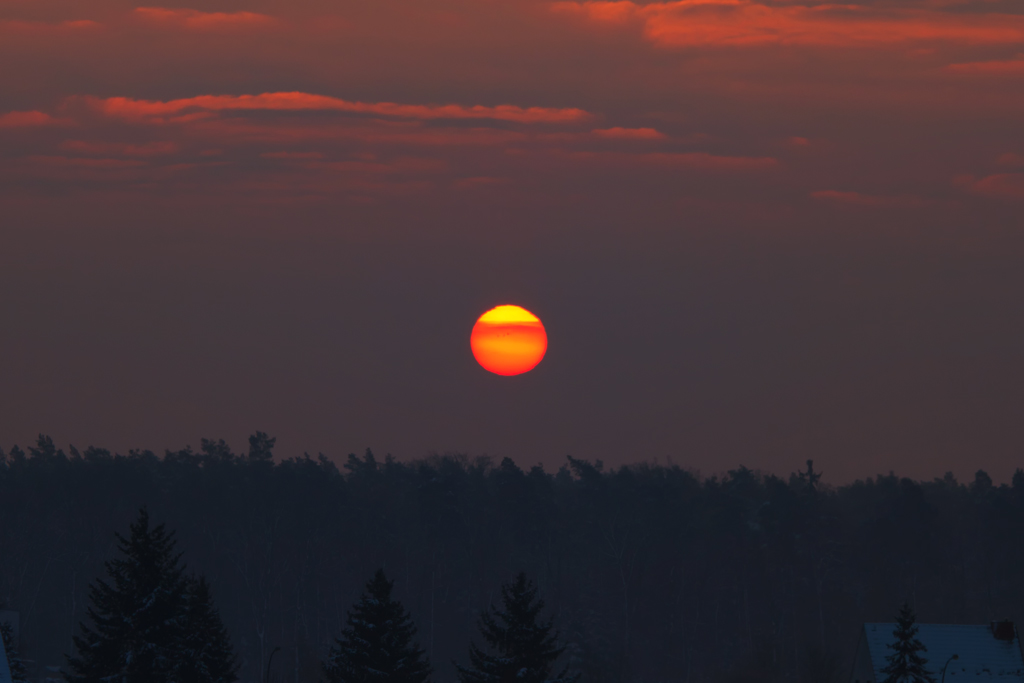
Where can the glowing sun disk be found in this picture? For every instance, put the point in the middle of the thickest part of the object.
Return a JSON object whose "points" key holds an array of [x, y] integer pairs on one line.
{"points": [[508, 340]]}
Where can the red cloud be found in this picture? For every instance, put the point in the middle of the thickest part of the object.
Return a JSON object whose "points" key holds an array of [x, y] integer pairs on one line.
{"points": [[629, 133], [692, 160], [79, 162], [744, 23], [1010, 159], [203, 21], [406, 165], [24, 119], [37, 27], [292, 156], [860, 199], [702, 160], [1004, 185], [143, 150], [365, 131], [995, 68], [480, 181], [298, 101]]}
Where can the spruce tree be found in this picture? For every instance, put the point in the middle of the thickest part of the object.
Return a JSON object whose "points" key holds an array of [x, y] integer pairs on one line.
{"points": [[905, 664], [14, 661], [136, 616], [522, 650], [377, 646], [203, 653]]}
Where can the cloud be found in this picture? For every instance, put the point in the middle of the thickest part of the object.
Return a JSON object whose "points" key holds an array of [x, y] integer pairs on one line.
{"points": [[129, 108], [361, 130], [861, 199], [41, 27], [1006, 67], [1011, 159], [476, 182], [628, 133], [292, 156], [79, 162], [27, 119], [104, 148], [711, 162], [203, 21], [745, 23], [404, 165], [1001, 185], [669, 160]]}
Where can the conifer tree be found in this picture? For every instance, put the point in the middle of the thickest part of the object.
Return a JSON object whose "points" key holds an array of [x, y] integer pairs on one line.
{"points": [[204, 653], [522, 650], [905, 664], [137, 616], [14, 661], [377, 645]]}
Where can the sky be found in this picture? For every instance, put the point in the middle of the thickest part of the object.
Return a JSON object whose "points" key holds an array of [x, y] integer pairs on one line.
{"points": [[757, 231]]}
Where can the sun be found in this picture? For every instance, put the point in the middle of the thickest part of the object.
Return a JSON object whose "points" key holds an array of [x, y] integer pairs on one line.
{"points": [[508, 340]]}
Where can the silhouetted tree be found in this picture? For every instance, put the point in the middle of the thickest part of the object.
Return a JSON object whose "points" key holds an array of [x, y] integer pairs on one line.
{"points": [[14, 661], [261, 447], [137, 617], [203, 653], [905, 664], [377, 646], [522, 650]]}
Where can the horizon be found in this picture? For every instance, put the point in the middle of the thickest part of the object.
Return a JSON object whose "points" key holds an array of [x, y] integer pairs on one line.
{"points": [[492, 461]]}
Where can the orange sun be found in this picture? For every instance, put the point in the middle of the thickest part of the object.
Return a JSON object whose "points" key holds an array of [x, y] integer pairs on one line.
{"points": [[508, 340]]}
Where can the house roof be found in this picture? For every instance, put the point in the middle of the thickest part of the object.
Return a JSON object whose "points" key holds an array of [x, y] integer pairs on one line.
{"points": [[983, 657]]}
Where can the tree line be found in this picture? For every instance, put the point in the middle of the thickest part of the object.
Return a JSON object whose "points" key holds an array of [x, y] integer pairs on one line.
{"points": [[651, 572]]}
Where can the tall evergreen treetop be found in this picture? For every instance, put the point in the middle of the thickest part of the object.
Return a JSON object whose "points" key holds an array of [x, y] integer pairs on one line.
{"points": [[377, 645], [14, 661], [136, 618], [522, 650], [905, 664], [204, 653]]}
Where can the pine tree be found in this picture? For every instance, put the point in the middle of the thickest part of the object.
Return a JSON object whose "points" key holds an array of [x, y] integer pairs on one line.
{"points": [[14, 661], [204, 653], [905, 664], [136, 617], [523, 650], [377, 646]]}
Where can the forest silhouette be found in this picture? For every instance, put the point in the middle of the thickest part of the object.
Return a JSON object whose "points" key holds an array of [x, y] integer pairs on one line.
{"points": [[649, 572]]}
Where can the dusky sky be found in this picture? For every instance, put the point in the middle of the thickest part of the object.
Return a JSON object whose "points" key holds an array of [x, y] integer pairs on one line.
{"points": [[756, 232]]}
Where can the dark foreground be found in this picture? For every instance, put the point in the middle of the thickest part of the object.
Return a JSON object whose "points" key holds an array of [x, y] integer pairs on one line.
{"points": [[650, 572]]}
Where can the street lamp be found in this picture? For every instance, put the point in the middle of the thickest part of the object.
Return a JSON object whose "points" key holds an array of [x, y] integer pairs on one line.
{"points": [[947, 664], [271, 659]]}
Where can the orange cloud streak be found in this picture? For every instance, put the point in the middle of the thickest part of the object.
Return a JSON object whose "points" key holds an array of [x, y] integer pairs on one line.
{"points": [[203, 21], [629, 133], [125, 107], [744, 23]]}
